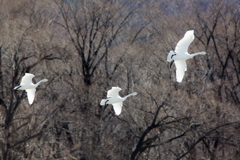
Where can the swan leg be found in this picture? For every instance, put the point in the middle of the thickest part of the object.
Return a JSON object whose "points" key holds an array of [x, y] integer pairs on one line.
{"points": [[105, 105], [173, 55], [171, 64], [106, 102]]}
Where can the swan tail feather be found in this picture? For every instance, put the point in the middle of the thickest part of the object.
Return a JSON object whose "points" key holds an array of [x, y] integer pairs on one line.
{"points": [[17, 87], [103, 102]]}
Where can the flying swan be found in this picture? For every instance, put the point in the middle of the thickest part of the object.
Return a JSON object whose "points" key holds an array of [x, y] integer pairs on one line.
{"points": [[114, 99], [180, 55], [26, 84]]}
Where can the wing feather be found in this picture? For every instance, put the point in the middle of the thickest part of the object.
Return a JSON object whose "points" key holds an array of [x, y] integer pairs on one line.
{"points": [[183, 44], [27, 78], [181, 67], [113, 92], [117, 107], [31, 95]]}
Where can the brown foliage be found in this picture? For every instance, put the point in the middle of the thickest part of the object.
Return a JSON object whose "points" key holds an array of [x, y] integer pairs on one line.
{"points": [[86, 47]]}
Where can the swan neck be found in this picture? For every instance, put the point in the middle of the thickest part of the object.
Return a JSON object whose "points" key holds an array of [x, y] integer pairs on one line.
{"points": [[38, 82], [198, 53], [127, 96]]}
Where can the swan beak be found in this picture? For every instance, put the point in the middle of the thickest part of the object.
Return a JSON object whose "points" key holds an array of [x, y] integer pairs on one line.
{"points": [[205, 53], [137, 94], [47, 80]]}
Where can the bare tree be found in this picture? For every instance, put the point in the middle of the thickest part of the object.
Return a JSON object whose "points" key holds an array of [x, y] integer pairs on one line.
{"points": [[19, 55], [94, 45], [219, 34], [92, 27]]}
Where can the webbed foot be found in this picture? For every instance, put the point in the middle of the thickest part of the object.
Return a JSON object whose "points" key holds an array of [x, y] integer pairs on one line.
{"points": [[171, 63]]}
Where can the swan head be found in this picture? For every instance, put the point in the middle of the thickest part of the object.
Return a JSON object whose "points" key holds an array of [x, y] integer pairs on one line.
{"points": [[169, 59], [45, 80], [134, 93]]}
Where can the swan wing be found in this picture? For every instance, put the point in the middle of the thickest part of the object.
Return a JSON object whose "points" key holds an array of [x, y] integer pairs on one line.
{"points": [[181, 67], [117, 107], [113, 92], [31, 95], [183, 44], [27, 79]]}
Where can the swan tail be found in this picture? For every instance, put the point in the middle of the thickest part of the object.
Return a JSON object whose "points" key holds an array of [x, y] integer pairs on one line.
{"points": [[17, 87], [103, 102]]}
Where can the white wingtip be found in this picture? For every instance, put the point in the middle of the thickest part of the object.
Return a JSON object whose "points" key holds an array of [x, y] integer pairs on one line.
{"points": [[30, 74], [191, 31], [117, 110], [179, 81], [117, 113], [30, 100], [117, 107], [31, 95]]}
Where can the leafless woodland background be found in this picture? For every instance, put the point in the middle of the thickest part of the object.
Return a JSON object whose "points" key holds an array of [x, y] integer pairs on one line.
{"points": [[85, 47]]}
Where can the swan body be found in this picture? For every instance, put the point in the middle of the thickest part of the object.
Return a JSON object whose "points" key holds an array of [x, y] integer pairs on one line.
{"points": [[26, 84], [180, 55], [114, 99]]}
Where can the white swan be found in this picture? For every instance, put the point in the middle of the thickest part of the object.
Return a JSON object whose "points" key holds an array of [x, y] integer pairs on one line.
{"points": [[26, 84], [114, 99], [181, 55]]}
